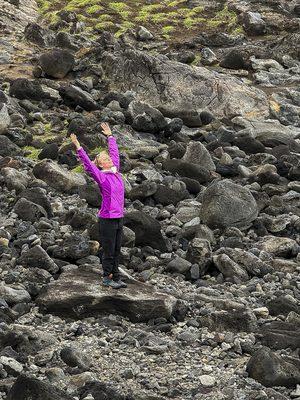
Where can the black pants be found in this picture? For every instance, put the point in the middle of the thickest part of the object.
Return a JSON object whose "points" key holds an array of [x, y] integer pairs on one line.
{"points": [[110, 240]]}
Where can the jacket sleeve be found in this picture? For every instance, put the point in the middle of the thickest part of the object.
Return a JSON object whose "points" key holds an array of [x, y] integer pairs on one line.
{"points": [[114, 151], [89, 166]]}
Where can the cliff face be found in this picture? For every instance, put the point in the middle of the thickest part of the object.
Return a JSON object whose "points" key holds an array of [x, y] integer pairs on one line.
{"points": [[203, 99]]}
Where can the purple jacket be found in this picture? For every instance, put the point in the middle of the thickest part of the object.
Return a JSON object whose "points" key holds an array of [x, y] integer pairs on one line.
{"points": [[110, 183]]}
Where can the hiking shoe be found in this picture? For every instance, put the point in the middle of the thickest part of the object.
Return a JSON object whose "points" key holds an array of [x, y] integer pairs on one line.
{"points": [[111, 283], [121, 283]]}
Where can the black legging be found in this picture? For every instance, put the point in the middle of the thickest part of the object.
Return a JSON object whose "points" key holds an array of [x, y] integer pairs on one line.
{"points": [[110, 240]]}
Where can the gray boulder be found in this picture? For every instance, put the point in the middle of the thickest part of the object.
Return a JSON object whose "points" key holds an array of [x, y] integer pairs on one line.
{"points": [[78, 294], [37, 257], [254, 24], [178, 89], [7, 147], [29, 211], [74, 96], [58, 177], [146, 118], [15, 179], [225, 203]]}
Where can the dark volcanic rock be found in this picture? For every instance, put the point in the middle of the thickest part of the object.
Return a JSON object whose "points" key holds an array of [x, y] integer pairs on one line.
{"points": [[38, 258], [147, 230], [74, 96], [23, 88], [165, 195], [271, 370], [27, 388], [282, 305], [188, 170], [29, 211], [79, 294], [57, 63]]}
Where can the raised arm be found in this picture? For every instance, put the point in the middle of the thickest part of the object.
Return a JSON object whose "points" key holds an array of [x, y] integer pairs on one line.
{"points": [[113, 149], [88, 165]]}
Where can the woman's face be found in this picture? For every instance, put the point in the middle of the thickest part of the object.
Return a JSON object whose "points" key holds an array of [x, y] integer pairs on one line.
{"points": [[103, 160]]}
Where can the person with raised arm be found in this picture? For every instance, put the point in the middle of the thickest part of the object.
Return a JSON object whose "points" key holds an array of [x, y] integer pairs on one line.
{"points": [[105, 171]]}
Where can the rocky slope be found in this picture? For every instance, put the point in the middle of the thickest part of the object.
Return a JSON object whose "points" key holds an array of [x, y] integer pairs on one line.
{"points": [[207, 116]]}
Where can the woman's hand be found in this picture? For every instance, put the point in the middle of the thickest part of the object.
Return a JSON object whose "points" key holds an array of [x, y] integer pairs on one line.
{"points": [[75, 141], [106, 129]]}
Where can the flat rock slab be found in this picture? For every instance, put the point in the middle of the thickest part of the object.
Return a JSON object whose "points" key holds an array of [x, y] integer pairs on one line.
{"points": [[80, 293]]}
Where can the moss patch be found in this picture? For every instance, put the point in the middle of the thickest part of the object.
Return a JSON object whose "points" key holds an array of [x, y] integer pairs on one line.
{"points": [[34, 153], [170, 19]]}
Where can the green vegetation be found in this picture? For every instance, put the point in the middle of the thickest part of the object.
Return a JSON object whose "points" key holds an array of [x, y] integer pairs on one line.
{"points": [[79, 168], [168, 18], [34, 153]]}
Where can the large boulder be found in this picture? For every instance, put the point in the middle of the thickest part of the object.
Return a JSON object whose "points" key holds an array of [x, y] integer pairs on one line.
{"points": [[58, 177], [225, 203], [28, 388], [7, 147], [29, 211], [74, 96], [15, 179], [57, 62], [4, 118], [38, 196], [233, 320], [147, 230], [78, 294], [178, 89], [23, 88], [37, 257], [270, 369]]}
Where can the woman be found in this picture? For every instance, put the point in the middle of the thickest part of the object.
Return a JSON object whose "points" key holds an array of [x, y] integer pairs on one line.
{"points": [[105, 171]]}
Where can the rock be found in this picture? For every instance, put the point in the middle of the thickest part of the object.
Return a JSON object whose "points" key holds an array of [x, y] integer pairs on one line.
{"points": [[37, 257], [225, 203], [38, 196], [142, 191], [230, 269], [282, 305], [166, 195], [4, 118], [14, 296], [29, 211], [27, 388], [74, 96], [196, 153], [199, 252], [49, 151], [188, 170], [179, 265], [246, 260], [254, 24], [143, 34], [147, 230], [249, 145], [279, 246], [196, 87], [57, 62], [272, 370], [234, 320], [58, 177], [146, 118], [279, 335], [22, 88], [105, 391], [207, 380], [11, 366], [234, 60], [74, 358], [7, 147], [73, 247], [36, 34], [78, 294], [14, 179], [208, 57]]}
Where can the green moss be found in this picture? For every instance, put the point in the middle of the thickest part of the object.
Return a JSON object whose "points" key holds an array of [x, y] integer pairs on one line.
{"points": [[104, 25], [190, 22], [94, 9], [197, 60], [79, 168], [124, 28], [34, 153]]}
